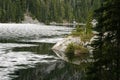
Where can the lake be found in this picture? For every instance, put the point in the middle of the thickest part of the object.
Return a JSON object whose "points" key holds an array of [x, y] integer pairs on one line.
{"points": [[25, 53]]}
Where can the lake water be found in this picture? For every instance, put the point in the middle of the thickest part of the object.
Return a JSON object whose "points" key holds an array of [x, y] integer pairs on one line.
{"points": [[25, 53]]}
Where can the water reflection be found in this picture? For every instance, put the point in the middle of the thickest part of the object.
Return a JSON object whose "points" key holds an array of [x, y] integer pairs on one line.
{"points": [[41, 48], [15, 56], [58, 70], [25, 53]]}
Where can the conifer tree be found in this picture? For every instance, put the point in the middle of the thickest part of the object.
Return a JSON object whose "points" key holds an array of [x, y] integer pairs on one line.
{"points": [[106, 46], [46, 10]]}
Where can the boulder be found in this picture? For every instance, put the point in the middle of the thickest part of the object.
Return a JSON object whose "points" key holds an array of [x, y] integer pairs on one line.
{"points": [[60, 47]]}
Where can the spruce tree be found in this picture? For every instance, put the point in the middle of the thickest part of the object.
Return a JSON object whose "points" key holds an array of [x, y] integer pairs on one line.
{"points": [[106, 44], [47, 10]]}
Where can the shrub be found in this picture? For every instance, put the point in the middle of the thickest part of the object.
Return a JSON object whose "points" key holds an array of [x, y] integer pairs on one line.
{"points": [[80, 31], [82, 49], [70, 51]]}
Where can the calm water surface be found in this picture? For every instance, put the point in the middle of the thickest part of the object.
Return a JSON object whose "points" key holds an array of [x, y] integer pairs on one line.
{"points": [[25, 53]]}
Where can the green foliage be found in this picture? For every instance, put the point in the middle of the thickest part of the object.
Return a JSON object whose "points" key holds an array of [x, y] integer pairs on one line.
{"points": [[89, 20], [78, 30], [70, 51], [85, 32], [106, 52], [82, 49], [76, 52], [47, 10], [84, 35]]}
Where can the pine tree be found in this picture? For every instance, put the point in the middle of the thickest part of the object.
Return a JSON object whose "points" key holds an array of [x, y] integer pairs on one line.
{"points": [[106, 53], [47, 10]]}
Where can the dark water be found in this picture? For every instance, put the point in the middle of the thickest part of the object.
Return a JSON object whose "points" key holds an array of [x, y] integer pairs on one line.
{"points": [[25, 53]]}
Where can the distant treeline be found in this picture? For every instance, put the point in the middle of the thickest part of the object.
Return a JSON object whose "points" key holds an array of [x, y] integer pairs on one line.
{"points": [[47, 10]]}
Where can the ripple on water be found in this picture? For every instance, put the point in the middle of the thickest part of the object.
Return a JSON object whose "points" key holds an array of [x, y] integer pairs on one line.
{"points": [[20, 60], [30, 31], [11, 61]]}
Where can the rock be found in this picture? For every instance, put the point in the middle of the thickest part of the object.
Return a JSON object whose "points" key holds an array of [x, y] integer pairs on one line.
{"points": [[60, 47], [30, 20], [77, 53]]}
